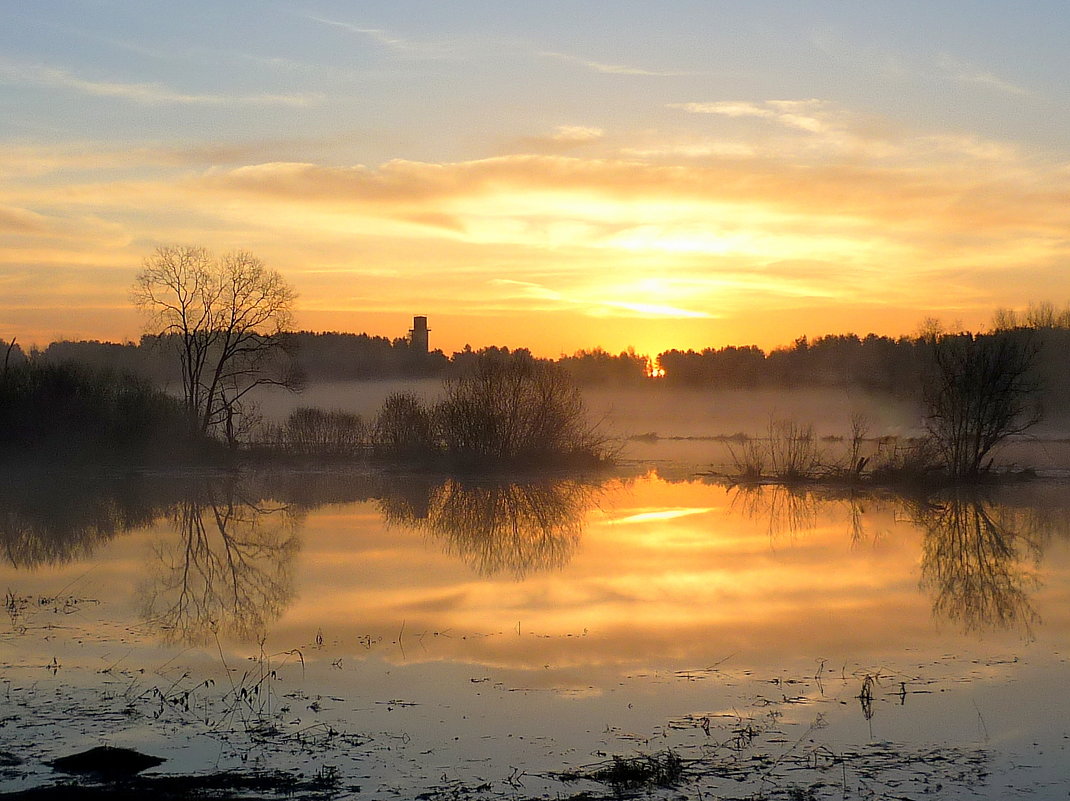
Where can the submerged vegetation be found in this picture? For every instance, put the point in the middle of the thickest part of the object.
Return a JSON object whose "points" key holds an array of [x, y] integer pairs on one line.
{"points": [[791, 454]]}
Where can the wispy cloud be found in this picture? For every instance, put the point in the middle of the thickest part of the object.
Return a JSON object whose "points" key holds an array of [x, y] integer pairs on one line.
{"points": [[576, 133], [562, 139], [817, 129], [612, 69], [961, 72], [591, 301], [897, 66], [657, 310], [386, 38], [528, 289], [19, 221], [811, 115], [154, 94]]}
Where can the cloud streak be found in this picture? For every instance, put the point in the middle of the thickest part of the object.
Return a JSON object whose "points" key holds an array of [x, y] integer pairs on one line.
{"points": [[963, 73], [385, 38], [612, 69], [153, 94]]}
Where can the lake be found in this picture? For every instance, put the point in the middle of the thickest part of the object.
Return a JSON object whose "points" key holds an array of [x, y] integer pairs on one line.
{"points": [[408, 634]]}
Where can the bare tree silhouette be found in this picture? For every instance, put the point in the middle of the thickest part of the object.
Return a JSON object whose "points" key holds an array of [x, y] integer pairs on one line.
{"points": [[225, 317], [980, 392]]}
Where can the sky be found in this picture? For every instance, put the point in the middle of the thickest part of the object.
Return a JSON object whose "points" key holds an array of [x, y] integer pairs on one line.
{"points": [[553, 175]]}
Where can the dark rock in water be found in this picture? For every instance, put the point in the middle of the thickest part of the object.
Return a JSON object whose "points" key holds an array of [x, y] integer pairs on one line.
{"points": [[107, 761]]}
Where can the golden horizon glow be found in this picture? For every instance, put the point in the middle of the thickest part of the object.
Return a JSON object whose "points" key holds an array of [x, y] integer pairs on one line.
{"points": [[705, 211]]}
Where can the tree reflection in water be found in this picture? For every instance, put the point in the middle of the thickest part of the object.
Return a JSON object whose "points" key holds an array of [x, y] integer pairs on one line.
{"points": [[979, 561], [782, 509], [979, 557], [54, 519], [229, 569], [496, 526]]}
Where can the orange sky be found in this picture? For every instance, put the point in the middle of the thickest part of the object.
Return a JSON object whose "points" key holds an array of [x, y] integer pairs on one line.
{"points": [[483, 171]]}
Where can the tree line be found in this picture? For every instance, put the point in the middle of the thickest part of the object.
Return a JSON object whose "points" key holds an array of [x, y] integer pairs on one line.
{"points": [[221, 329], [872, 363]]}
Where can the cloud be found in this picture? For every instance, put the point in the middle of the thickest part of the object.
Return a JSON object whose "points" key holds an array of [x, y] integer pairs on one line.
{"points": [[900, 67], [656, 310], [563, 139], [153, 94], [686, 232], [21, 221], [815, 131], [527, 289], [576, 133], [588, 300], [613, 69], [727, 108], [961, 72], [612, 192], [385, 38], [813, 115]]}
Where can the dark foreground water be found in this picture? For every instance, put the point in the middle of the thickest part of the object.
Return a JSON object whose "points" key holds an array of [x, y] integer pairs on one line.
{"points": [[493, 639]]}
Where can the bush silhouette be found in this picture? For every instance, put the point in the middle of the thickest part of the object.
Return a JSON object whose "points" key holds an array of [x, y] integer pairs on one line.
{"points": [[516, 410]]}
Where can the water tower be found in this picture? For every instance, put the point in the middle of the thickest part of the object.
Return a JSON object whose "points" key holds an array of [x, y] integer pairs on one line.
{"points": [[418, 334]]}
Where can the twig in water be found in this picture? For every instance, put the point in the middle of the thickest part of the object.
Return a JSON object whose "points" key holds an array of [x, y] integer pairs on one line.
{"points": [[984, 728]]}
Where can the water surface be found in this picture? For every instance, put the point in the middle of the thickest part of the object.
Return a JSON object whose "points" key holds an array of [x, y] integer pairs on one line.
{"points": [[416, 634]]}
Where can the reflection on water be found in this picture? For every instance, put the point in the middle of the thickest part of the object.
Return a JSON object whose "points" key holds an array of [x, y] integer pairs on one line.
{"points": [[979, 557], [226, 567], [790, 510], [782, 510], [979, 561], [496, 526], [49, 520], [686, 602], [223, 560], [679, 624]]}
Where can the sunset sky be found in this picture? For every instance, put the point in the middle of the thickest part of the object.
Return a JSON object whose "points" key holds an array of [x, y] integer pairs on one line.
{"points": [[557, 175]]}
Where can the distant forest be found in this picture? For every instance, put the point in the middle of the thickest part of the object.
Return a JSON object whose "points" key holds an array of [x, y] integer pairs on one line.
{"points": [[872, 363]]}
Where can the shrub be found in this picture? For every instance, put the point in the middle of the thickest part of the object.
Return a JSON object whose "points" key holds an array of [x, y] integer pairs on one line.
{"points": [[403, 427], [516, 411], [319, 432], [912, 462], [788, 454], [66, 411]]}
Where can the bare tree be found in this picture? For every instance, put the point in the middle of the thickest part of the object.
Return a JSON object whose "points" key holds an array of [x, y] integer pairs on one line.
{"points": [[981, 391], [7, 356], [225, 318]]}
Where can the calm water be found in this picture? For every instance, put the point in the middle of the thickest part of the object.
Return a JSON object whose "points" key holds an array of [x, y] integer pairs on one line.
{"points": [[410, 635]]}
